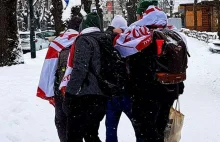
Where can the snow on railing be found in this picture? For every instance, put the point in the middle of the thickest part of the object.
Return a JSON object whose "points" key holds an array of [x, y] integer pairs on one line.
{"points": [[203, 36]]}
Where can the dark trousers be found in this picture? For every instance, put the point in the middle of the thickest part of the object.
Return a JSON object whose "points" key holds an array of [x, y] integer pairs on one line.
{"points": [[151, 117], [86, 114], [60, 118], [115, 107]]}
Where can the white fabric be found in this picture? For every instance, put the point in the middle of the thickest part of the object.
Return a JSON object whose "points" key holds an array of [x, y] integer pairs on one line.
{"points": [[133, 40], [156, 17], [47, 77], [119, 22], [90, 30], [137, 37]]}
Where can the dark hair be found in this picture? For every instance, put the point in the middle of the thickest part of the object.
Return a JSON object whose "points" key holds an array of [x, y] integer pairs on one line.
{"points": [[74, 23]]}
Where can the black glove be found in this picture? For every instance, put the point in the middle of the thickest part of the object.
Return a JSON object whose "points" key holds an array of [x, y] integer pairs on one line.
{"points": [[68, 103]]}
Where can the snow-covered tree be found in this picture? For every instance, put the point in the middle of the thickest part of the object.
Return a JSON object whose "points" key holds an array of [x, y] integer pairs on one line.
{"points": [[48, 20], [57, 10], [131, 7], [99, 11], [122, 4], [39, 10], [22, 15], [10, 53]]}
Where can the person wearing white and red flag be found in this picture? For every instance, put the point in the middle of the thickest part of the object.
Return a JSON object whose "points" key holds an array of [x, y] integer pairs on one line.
{"points": [[152, 99], [84, 102], [48, 88]]}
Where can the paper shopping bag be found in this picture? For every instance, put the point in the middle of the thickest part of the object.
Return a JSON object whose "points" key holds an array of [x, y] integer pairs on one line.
{"points": [[175, 124]]}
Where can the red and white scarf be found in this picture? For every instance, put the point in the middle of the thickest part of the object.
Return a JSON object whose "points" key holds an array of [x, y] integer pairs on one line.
{"points": [[45, 88]]}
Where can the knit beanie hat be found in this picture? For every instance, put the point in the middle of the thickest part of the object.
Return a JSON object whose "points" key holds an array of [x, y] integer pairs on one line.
{"points": [[144, 4], [90, 20], [119, 22]]}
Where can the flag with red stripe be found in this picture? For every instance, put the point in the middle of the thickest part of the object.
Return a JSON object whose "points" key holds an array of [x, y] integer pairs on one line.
{"points": [[46, 84]]}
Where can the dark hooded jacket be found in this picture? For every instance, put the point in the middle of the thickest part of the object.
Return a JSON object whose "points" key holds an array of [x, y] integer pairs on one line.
{"points": [[87, 64]]}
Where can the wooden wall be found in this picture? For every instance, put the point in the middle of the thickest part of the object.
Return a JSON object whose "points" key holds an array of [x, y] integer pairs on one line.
{"points": [[206, 17]]}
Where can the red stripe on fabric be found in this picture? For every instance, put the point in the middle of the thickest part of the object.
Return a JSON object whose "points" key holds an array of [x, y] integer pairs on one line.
{"points": [[61, 35], [149, 10], [41, 94], [71, 57], [115, 39], [71, 36], [144, 43], [58, 44], [170, 27], [63, 90], [51, 53]]}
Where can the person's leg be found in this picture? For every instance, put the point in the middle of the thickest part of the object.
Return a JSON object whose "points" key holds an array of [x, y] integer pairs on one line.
{"points": [[74, 110], [95, 113], [113, 114], [144, 114], [60, 118], [126, 108]]}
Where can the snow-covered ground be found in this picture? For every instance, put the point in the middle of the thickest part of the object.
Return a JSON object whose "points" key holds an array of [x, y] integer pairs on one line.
{"points": [[26, 118]]}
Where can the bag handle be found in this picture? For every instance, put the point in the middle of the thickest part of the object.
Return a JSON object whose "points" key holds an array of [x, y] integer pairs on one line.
{"points": [[177, 106]]}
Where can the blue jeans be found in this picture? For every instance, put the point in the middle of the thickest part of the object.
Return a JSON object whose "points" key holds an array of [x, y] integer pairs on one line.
{"points": [[115, 107]]}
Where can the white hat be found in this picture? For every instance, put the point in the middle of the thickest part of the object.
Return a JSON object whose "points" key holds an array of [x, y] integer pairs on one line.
{"points": [[119, 22]]}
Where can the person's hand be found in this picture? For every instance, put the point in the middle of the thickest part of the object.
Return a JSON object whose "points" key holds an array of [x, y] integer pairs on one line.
{"points": [[138, 17], [117, 30]]}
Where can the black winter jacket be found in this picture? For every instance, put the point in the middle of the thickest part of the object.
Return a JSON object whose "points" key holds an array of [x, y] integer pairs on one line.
{"points": [[83, 81]]}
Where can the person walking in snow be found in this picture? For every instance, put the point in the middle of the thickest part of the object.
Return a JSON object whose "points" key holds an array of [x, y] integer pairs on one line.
{"points": [[60, 117], [122, 102], [152, 99], [84, 102]]}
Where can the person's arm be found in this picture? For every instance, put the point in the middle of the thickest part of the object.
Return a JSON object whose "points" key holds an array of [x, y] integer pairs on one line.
{"points": [[82, 56]]}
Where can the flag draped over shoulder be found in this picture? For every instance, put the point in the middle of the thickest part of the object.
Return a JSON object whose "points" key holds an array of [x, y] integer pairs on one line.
{"points": [[137, 36], [46, 84]]}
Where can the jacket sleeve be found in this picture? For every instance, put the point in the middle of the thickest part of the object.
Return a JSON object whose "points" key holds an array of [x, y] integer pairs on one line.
{"points": [[82, 56]]}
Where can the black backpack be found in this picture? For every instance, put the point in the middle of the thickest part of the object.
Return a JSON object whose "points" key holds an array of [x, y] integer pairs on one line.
{"points": [[113, 73], [61, 68], [169, 63]]}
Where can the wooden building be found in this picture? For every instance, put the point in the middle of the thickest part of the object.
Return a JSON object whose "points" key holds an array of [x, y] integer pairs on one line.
{"points": [[206, 16]]}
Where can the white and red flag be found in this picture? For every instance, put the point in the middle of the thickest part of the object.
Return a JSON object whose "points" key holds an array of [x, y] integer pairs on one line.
{"points": [[45, 88]]}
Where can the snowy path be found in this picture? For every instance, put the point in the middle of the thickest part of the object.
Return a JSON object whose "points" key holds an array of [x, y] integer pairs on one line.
{"points": [[25, 118]]}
